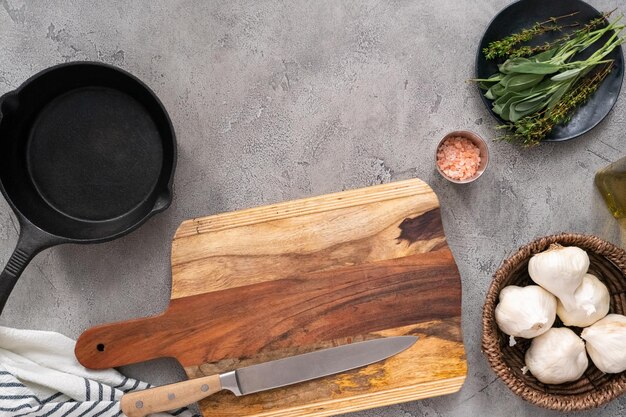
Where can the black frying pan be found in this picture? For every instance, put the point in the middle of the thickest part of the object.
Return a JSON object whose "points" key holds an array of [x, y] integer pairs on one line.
{"points": [[87, 154]]}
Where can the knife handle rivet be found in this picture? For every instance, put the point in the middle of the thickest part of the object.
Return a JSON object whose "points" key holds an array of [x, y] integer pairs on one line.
{"points": [[204, 388], [171, 396], [139, 404]]}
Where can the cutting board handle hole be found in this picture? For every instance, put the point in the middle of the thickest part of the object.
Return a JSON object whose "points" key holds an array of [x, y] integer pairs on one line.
{"points": [[100, 347]]}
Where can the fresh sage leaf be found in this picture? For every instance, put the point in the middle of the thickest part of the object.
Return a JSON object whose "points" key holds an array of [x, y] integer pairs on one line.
{"points": [[530, 103], [523, 82], [566, 75], [557, 95], [497, 90]]}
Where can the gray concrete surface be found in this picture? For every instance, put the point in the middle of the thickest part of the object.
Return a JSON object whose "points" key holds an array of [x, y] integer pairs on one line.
{"points": [[277, 100]]}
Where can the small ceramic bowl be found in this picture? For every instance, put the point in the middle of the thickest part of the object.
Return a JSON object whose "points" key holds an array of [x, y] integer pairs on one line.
{"points": [[476, 140]]}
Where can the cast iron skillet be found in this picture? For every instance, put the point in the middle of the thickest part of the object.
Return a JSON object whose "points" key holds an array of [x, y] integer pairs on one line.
{"points": [[524, 14], [87, 154]]}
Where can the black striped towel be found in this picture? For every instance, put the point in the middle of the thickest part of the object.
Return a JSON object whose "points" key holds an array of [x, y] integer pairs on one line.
{"points": [[40, 377]]}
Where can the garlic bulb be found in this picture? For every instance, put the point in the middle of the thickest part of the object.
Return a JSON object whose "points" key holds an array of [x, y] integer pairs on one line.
{"points": [[592, 303], [606, 343], [525, 311], [560, 270], [557, 356]]}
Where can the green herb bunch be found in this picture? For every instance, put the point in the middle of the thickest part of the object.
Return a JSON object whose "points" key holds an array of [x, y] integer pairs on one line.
{"points": [[536, 85], [531, 130]]}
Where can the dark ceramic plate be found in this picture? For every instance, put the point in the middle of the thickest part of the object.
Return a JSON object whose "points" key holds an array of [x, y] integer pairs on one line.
{"points": [[524, 14]]}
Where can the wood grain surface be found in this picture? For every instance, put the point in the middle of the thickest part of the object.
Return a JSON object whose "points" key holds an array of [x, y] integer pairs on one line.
{"points": [[279, 280]]}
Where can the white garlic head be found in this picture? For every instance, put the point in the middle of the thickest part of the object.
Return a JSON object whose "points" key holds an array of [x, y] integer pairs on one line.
{"points": [[606, 343], [592, 301], [560, 270], [525, 311], [557, 356]]}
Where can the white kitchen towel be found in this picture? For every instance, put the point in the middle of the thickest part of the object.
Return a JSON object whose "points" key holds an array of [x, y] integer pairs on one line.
{"points": [[40, 377]]}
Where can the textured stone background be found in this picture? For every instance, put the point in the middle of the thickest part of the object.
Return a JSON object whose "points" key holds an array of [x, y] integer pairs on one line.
{"points": [[276, 100]]}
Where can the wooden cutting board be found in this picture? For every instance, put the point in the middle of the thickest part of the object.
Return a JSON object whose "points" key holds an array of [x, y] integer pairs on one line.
{"points": [[275, 281]]}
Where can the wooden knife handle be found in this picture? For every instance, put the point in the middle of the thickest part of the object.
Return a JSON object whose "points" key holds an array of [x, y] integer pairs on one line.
{"points": [[169, 397]]}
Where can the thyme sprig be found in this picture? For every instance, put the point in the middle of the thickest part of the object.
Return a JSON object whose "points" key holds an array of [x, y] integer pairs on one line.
{"points": [[504, 47], [532, 50]]}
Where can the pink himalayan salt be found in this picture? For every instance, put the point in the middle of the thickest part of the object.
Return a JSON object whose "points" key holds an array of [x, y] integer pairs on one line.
{"points": [[458, 158]]}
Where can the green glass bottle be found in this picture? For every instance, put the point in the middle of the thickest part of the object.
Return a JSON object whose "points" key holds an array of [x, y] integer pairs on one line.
{"points": [[611, 181]]}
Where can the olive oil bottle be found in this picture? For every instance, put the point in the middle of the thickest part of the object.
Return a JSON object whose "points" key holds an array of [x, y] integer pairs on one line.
{"points": [[611, 181]]}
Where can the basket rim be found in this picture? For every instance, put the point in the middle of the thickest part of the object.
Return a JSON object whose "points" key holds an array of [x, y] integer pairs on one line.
{"points": [[491, 346]]}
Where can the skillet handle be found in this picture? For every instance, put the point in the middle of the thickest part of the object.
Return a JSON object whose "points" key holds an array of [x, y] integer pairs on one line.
{"points": [[30, 243]]}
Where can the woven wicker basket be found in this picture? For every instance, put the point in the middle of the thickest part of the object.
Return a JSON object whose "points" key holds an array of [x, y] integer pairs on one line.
{"points": [[594, 388]]}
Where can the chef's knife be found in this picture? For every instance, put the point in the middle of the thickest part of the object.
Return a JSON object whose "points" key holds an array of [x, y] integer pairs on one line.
{"points": [[265, 376]]}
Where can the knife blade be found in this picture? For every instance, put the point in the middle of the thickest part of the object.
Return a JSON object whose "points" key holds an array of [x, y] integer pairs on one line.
{"points": [[266, 376]]}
